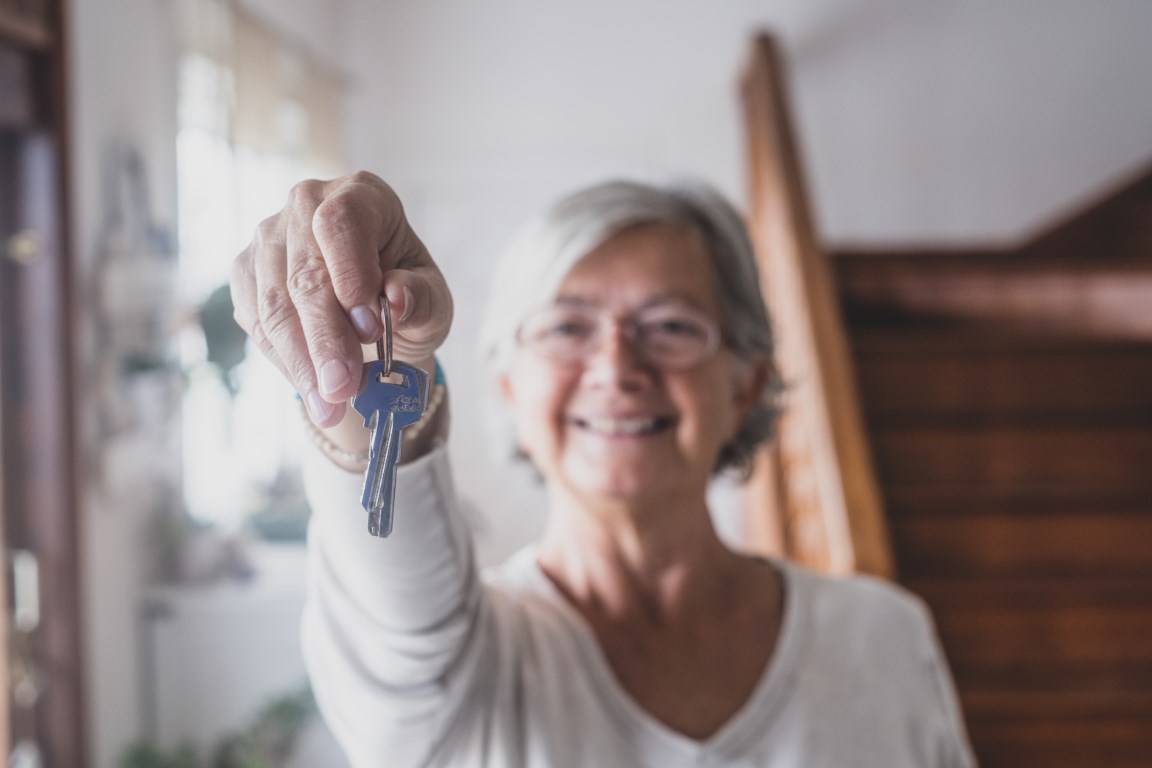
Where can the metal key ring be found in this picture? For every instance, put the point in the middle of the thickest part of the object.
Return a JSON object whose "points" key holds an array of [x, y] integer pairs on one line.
{"points": [[384, 343]]}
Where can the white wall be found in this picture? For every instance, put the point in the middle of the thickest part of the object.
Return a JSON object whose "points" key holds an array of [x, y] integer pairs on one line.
{"points": [[123, 91], [960, 120]]}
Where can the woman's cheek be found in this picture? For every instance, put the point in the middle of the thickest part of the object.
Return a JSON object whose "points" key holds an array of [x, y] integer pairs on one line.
{"points": [[538, 409]]}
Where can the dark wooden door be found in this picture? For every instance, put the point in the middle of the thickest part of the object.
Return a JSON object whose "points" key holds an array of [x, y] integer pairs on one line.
{"points": [[38, 528]]}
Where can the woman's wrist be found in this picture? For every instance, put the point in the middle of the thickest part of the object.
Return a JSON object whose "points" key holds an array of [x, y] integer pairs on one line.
{"points": [[347, 443], [425, 435]]}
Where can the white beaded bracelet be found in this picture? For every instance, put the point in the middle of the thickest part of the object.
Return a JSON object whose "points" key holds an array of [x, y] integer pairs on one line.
{"points": [[358, 462], [434, 400]]}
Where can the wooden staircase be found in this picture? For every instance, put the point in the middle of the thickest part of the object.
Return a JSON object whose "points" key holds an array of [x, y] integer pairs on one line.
{"points": [[1008, 400], [978, 426]]}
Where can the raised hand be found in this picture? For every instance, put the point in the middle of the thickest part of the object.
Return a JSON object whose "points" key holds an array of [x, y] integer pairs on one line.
{"points": [[307, 288]]}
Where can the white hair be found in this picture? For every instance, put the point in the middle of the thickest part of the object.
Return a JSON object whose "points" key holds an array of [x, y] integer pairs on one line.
{"points": [[544, 251]]}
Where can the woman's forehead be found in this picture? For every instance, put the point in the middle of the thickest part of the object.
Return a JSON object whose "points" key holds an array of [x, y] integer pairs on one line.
{"points": [[645, 263]]}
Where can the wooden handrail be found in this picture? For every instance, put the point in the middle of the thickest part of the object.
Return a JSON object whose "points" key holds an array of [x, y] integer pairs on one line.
{"points": [[813, 496]]}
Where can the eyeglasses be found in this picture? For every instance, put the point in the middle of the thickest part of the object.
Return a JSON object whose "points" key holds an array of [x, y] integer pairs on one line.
{"points": [[672, 336]]}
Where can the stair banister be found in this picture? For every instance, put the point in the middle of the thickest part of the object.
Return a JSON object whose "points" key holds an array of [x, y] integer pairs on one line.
{"points": [[813, 496]]}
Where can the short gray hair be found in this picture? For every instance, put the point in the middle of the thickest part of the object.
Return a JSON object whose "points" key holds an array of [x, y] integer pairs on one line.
{"points": [[542, 253]]}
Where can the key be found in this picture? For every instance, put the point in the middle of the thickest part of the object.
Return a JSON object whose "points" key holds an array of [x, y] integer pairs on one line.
{"points": [[387, 409]]}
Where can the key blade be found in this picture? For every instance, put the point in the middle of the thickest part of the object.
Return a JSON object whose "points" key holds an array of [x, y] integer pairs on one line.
{"points": [[370, 497], [382, 513], [388, 408]]}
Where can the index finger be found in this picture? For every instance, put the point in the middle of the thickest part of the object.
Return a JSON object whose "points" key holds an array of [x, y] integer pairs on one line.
{"points": [[328, 335], [352, 227]]}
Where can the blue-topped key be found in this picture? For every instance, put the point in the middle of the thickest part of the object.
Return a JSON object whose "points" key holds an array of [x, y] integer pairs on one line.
{"points": [[387, 409]]}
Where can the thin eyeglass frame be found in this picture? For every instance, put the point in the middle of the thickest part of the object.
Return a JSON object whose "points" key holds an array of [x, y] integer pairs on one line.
{"points": [[631, 328]]}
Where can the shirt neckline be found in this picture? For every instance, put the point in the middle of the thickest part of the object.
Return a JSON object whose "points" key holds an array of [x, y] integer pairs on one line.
{"points": [[747, 725]]}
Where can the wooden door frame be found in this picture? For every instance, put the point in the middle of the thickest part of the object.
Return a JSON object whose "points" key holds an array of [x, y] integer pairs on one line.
{"points": [[39, 481]]}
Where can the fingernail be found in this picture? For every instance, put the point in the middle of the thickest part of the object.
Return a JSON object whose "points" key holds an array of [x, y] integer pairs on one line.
{"points": [[333, 375], [365, 322], [407, 304], [318, 408]]}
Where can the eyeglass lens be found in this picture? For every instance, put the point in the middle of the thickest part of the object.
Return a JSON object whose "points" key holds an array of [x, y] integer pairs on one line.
{"points": [[666, 335]]}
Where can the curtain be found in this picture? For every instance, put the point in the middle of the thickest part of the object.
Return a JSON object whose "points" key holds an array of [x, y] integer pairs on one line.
{"points": [[281, 97]]}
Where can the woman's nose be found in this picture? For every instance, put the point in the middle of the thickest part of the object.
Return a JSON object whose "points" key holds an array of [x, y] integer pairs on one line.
{"points": [[618, 362]]}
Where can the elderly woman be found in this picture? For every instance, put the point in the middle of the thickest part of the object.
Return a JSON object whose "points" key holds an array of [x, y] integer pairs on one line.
{"points": [[633, 352]]}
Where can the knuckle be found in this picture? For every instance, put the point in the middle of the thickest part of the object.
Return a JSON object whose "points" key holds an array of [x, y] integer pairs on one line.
{"points": [[367, 179], [304, 192], [384, 200], [270, 231], [275, 310], [334, 220], [308, 278]]}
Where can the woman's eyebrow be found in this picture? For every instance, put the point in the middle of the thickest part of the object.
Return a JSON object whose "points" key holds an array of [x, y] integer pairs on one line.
{"points": [[574, 301], [671, 297]]}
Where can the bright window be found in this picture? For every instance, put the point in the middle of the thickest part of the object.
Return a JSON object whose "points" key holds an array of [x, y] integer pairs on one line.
{"points": [[238, 414]]}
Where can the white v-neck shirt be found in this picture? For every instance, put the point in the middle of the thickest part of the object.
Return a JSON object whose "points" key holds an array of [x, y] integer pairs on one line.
{"points": [[417, 659]]}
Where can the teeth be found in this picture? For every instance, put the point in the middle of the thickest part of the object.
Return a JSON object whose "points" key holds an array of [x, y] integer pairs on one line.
{"points": [[621, 426]]}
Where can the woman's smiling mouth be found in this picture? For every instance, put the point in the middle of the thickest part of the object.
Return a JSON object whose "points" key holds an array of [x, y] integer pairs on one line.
{"points": [[632, 426]]}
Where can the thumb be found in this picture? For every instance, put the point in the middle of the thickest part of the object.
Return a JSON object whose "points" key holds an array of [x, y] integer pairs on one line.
{"points": [[421, 307]]}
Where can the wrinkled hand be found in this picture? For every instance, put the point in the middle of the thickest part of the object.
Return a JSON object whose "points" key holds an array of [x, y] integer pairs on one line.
{"points": [[307, 289]]}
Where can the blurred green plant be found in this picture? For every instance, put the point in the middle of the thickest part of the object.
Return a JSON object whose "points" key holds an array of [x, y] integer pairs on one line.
{"points": [[266, 743], [148, 756], [223, 337]]}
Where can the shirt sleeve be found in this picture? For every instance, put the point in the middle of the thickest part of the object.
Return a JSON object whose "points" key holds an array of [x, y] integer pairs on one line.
{"points": [[953, 749], [388, 622]]}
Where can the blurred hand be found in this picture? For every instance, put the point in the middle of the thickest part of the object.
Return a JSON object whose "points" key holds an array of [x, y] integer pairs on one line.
{"points": [[307, 289]]}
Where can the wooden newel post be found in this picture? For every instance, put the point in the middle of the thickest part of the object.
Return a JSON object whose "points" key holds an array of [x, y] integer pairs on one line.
{"points": [[813, 496]]}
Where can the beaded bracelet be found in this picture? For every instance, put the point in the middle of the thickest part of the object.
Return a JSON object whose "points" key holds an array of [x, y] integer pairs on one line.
{"points": [[358, 462], [353, 462]]}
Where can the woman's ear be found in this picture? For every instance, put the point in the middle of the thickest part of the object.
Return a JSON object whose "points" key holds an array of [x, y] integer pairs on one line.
{"points": [[753, 379]]}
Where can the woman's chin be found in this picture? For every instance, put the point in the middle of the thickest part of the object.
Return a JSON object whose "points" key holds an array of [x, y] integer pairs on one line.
{"points": [[621, 484]]}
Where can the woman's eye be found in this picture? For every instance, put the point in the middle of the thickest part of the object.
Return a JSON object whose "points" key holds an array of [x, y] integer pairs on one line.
{"points": [[675, 327], [569, 329]]}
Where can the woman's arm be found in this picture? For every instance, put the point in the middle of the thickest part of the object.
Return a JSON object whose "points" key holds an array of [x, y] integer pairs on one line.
{"points": [[389, 623], [392, 629]]}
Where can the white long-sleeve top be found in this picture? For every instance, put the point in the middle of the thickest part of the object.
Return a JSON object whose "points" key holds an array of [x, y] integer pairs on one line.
{"points": [[417, 659]]}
